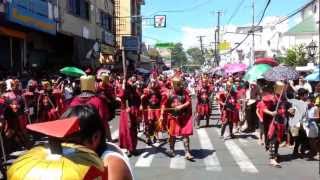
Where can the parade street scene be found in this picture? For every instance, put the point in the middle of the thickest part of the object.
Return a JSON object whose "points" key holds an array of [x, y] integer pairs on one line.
{"points": [[159, 90]]}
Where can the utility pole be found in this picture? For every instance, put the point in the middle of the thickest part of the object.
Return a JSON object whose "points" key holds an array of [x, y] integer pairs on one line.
{"points": [[201, 46], [217, 40], [253, 30]]}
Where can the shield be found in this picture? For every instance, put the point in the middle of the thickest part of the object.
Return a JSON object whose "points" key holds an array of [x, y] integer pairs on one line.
{"points": [[256, 72], [281, 73], [72, 71], [76, 163]]}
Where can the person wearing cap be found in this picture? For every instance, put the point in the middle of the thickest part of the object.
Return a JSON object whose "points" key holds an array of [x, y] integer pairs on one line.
{"points": [[76, 150], [177, 104], [88, 96]]}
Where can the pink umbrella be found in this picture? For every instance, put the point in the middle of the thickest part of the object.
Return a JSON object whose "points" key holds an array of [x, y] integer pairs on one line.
{"points": [[234, 68]]}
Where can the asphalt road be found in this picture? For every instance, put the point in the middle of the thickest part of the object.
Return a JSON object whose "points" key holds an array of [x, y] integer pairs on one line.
{"points": [[216, 158]]}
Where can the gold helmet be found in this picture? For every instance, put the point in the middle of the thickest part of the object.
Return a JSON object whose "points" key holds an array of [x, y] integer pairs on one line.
{"points": [[177, 82], [87, 83], [46, 85], [279, 87], [105, 78]]}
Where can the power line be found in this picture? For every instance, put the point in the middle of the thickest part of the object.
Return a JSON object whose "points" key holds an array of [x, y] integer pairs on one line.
{"points": [[182, 10], [251, 30], [235, 12]]}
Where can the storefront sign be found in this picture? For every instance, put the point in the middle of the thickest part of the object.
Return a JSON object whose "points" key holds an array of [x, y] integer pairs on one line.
{"points": [[131, 43], [33, 14], [107, 38]]}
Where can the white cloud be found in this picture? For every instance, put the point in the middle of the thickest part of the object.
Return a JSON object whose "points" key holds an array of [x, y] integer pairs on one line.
{"points": [[190, 37]]}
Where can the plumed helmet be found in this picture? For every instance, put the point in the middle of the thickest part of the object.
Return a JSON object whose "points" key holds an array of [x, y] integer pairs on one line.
{"points": [[87, 83]]}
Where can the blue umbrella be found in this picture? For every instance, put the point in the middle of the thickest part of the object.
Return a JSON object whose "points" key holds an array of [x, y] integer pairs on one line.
{"points": [[281, 73], [315, 76]]}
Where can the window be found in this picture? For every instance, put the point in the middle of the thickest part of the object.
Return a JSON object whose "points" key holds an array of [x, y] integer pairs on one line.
{"points": [[106, 21], [79, 8]]}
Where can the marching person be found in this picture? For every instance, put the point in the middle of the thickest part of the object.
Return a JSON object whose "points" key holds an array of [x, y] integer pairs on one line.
{"points": [[177, 103], [88, 96], [203, 107], [151, 104], [229, 113], [130, 97]]}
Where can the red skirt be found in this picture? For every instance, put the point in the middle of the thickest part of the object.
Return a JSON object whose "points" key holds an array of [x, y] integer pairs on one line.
{"points": [[180, 126], [232, 116], [276, 128], [203, 109]]}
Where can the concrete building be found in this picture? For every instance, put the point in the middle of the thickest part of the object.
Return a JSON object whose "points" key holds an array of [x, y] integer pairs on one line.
{"points": [[26, 30], [129, 26], [88, 22]]}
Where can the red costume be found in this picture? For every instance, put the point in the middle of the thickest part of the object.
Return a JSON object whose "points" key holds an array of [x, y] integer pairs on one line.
{"points": [[151, 101], [129, 117]]}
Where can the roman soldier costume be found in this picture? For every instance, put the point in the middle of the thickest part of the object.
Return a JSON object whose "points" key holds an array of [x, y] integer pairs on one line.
{"points": [[30, 98], [130, 115], [88, 96], [151, 102], [177, 103], [46, 106], [229, 112], [203, 107]]}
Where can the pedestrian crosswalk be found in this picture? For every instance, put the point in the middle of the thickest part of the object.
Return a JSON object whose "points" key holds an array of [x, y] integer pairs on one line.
{"points": [[211, 161]]}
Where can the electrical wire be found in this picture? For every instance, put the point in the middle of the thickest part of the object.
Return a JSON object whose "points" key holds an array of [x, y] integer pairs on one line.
{"points": [[182, 10], [235, 12]]}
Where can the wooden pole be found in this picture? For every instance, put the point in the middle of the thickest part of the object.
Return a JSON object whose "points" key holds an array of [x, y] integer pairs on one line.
{"points": [[124, 64]]}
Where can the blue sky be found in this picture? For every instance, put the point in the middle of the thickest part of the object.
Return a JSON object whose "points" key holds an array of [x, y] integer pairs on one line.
{"points": [[201, 14]]}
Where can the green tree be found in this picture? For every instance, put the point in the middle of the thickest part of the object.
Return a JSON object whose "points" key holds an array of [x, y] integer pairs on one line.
{"points": [[296, 56], [196, 55], [178, 55]]}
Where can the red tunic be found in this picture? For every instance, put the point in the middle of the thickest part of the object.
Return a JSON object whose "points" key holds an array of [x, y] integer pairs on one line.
{"points": [[203, 102], [96, 102], [229, 111], [180, 122]]}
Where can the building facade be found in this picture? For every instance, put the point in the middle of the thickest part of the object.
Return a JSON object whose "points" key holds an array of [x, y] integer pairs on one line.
{"points": [[129, 30], [26, 28], [88, 22]]}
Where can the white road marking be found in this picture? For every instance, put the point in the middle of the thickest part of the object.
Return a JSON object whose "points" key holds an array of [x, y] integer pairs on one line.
{"points": [[240, 157], [211, 161], [146, 158], [178, 162]]}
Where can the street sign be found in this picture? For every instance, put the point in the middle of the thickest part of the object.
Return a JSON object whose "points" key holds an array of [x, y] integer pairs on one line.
{"points": [[160, 21], [224, 46], [130, 43], [165, 45]]}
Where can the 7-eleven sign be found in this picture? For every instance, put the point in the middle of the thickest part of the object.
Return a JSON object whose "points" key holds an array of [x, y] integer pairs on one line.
{"points": [[160, 21]]}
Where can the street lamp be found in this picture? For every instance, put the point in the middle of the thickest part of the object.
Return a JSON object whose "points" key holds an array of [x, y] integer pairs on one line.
{"points": [[312, 47]]}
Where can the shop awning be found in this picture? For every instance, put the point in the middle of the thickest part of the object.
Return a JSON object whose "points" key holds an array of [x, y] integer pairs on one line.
{"points": [[105, 49], [12, 33], [307, 26]]}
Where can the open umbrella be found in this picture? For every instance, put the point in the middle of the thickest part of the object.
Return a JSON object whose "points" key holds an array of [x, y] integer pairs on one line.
{"points": [[72, 71], [256, 72], [234, 68], [269, 61], [315, 76], [281, 73]]}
